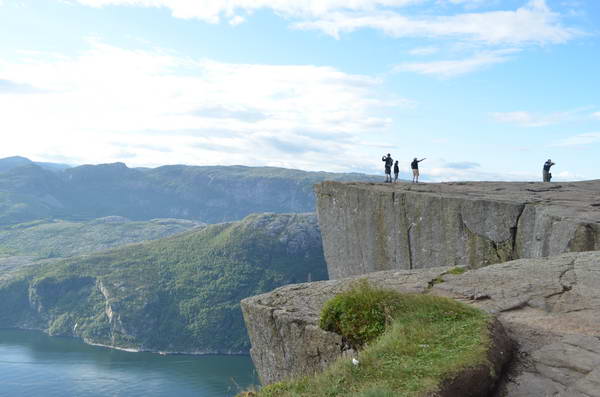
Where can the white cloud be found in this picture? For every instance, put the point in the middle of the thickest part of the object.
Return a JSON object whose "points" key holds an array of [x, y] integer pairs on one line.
{"points": [[529, 119], [468, 3], [580, 140], [213, 10], [442, 173], [108, 101], [445, 174], [452, 68], [464, 1], [236, 20], [596, 115], [424, 51], [534, 22], [526, 119]]}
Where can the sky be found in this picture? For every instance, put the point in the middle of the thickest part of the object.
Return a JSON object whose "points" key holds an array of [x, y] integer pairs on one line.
{"points": [[483, 89]]}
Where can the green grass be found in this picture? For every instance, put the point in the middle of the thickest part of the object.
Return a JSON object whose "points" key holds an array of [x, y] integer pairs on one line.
{"points": [[361, 314], [428, 339], [456, 270]]}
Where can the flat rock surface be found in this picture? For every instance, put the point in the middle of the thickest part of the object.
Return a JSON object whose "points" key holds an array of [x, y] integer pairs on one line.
{"points": [[580, 199], [551, 307]]}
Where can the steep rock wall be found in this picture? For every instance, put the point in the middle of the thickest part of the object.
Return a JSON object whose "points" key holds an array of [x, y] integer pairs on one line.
{"points": [[372, 227]]}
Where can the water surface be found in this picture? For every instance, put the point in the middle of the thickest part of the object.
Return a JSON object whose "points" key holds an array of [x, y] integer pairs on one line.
{"points": [[34, 364]]}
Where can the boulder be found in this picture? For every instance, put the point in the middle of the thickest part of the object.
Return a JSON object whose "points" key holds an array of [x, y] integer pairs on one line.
{"points": [[287, 341]]}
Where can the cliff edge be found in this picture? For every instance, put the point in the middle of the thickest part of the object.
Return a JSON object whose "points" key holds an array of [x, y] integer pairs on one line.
{"points": [[523, 244], [373, 227]]}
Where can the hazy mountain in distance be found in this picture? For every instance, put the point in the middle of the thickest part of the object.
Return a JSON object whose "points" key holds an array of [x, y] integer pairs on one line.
{"points": [[209, 194], [8, 163]]}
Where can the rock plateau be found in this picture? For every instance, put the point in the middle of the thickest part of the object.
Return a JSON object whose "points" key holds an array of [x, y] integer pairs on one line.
{"points": [[372, 227]]}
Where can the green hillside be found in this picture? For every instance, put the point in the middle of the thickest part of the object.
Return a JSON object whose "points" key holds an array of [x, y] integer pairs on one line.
{"points": [[178, 294], [208, 194], [58, 238]]}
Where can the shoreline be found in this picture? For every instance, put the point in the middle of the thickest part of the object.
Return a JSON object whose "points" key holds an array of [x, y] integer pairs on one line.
{"points": [[130, 349]]}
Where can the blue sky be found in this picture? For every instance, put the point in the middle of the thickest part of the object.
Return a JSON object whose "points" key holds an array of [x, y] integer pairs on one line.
{"points": [[484, 89]]}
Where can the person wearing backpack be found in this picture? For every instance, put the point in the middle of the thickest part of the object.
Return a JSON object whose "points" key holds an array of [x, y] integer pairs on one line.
{"points": [[388, 167]]}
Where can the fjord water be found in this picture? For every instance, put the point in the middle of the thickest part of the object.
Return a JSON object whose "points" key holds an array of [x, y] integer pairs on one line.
{"points": [[34, 364]]}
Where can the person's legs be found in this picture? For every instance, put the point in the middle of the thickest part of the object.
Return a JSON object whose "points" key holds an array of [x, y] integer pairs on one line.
{"points": [[417, 172]]}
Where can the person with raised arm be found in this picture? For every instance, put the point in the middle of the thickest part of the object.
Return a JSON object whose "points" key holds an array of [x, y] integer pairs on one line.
{"points": [[415, 169], [547, 176]]}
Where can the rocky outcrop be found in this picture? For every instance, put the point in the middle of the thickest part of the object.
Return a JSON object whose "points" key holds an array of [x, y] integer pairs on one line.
{"points": [[283, 324], [372, 227], [549, 306], [287, 341]]}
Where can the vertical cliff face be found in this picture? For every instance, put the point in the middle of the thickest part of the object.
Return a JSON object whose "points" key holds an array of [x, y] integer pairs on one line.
{"points": [[373, 227]]}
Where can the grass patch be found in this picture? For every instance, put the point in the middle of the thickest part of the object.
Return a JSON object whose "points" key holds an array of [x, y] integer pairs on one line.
{"points": [[457, 270], [425, 340], [361, 314]]}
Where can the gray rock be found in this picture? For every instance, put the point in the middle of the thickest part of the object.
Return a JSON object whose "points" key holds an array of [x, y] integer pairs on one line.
{"points": [[370, 227], [551, 307], [287, 341]]}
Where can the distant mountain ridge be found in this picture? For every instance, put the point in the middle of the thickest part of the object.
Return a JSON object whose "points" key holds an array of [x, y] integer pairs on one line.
{"points": [[209, 194], [9, 163]]}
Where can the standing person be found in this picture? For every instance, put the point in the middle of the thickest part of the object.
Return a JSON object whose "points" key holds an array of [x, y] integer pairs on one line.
{"points": [[547, 176], [396, 171], [388, 167], [415, 169]]}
